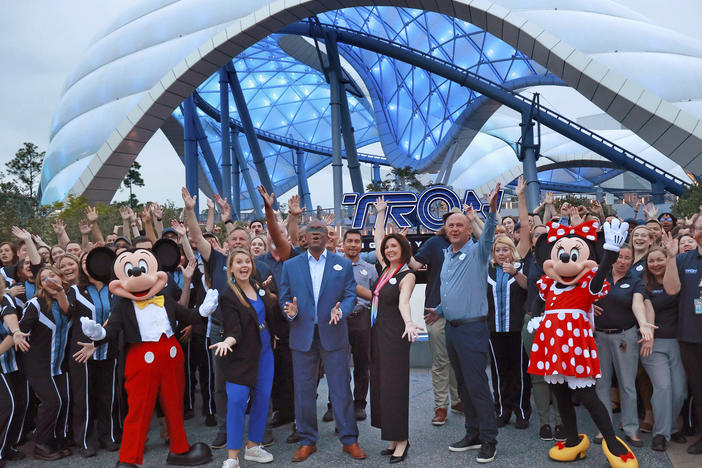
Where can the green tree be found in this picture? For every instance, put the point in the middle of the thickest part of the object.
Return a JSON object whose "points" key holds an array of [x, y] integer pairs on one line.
{"points": [[25, 167], [404, 178], [131, 180], [689, 203]]}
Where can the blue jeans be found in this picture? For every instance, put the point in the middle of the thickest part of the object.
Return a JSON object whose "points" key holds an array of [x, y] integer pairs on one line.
{"points": [[237, 400]]}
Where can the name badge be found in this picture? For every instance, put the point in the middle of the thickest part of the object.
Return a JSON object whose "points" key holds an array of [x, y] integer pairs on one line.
{"points": [[338, 267], [462, 256], [392, 280], [261, 292], [518, 265], [364, 273], [624, 286], [639, 268], [698, 306], [224, 268], [690, 271]]}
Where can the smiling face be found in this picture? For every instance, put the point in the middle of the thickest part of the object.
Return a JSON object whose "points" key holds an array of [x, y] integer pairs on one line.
{"points": [[656, 230], [393, 251], [458, 230], [641, 238], [687, 243], [502, 253], [258, 247], [73, 248], [241, 267], [137, 275], [656, 262], [69, 268], [316, 236], [569, 260], [623, 263]]}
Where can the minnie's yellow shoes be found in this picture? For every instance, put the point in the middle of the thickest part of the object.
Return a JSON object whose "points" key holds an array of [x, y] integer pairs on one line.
{"points": [[561, 453], [622, 461]]}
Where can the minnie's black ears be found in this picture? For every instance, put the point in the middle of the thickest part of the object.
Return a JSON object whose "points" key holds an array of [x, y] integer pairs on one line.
{"points": [[167, 253], [99, 263]]}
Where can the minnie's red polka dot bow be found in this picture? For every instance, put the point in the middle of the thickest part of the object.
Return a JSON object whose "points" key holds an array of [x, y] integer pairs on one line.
{"points": [[586, 230]]}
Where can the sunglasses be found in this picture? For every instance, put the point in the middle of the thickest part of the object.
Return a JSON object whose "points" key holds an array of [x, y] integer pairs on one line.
{"points": [[315, 229], [665, 218]]}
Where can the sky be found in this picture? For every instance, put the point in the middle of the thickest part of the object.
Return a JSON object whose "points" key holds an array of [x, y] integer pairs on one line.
{"points": [[42, 41]]}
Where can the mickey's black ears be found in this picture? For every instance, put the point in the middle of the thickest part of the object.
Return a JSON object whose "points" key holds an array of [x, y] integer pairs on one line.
{"points": [[167, 254], [99, 263]]}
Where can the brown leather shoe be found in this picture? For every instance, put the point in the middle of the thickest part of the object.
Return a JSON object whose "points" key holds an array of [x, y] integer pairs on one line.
{"points": [[303, 452], [355, 451], [439, 417], [457, 408]]}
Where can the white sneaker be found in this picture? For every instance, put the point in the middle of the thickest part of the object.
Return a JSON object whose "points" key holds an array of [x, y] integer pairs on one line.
{"points": [[230, 463], [258, 454]]}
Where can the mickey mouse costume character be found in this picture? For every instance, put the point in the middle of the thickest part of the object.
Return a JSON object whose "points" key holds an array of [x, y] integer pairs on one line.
{"points": [[154, 360], [564, 350]]}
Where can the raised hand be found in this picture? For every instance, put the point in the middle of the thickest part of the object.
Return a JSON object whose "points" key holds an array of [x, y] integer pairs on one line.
{"points": [[294, 206], [179, 228], [188, 200], [156, 210], [650, 211], [210, 204], [411, 331], [615, 234], [268, 199], [91, 214], [670, 243], [470, 213], [492, 197], [404, 231], [521, 186], [145, 214], [335, 314], [380, 204], [329, 219], [85, 226], [189, 270], [548, 198], [59, 227], [85, 353], [124, 212], [21, 234], [290, 308], [223, 207]]}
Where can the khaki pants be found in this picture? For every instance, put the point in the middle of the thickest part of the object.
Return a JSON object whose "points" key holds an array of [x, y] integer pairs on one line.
{"points": [[443, 379]]}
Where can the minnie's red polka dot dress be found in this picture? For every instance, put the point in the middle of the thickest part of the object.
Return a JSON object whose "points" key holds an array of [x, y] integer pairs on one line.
{"points": [[564, 349]]}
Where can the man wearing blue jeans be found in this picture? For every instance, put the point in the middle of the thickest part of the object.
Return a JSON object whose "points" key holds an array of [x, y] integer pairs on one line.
{"points": [[464, 306]]}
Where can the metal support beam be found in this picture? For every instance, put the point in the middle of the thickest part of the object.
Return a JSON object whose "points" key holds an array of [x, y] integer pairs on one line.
{"points": [[224, 125], [246, 174], [337, 165], [346, 124], [528, 155], [376, 174], [658, 192], [249, 130], [190, 157], [207, 154], [303, 188], [236, 184]]}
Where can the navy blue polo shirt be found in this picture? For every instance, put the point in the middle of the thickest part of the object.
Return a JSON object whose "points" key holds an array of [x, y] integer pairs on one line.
{"points": [[616, 305], [666, 308], [638, 267], [690, 272], [431, 253]]}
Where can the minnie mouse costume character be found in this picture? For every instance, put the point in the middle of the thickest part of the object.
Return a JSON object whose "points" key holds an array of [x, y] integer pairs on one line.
{"points": [[154, 360], [564, 350]]}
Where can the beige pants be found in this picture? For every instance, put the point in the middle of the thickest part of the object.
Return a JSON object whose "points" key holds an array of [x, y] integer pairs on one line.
{"points": [[443, 379]]}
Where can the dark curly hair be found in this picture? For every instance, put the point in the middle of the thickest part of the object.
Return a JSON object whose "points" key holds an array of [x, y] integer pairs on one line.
{"points": [[405, 247]]}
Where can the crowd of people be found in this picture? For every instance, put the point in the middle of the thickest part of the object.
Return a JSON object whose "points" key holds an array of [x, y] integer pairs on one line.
{"points": [[294, 302]]}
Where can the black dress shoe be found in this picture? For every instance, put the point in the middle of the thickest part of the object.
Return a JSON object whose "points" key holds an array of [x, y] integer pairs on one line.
{"points": [[199, 454], [268, 438], [210, 420], [280, 420], [545, 432], [108, 445], [46, 452], [658, 443], [328, 416], [12, 453], [188, 414], [632, 442], [220, 441], [696, 448], [394, 459], [87, 452], [521, 423], [293, 438], [678, 438], [360, 414], [125, 465]]}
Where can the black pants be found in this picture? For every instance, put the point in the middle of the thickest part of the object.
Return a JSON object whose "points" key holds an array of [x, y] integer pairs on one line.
{"points": [[199, 366], [283, 393], [7, 412], [52, 414], [19, 390], [691, 354], [511, 385], [94, 402]]}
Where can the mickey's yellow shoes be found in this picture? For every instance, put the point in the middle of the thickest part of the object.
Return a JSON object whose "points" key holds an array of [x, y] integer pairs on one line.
{"points": [[621, 461], [560, 452]]}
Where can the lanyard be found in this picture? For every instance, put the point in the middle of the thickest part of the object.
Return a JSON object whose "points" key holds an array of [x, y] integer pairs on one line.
{"points": [[376, 293]]}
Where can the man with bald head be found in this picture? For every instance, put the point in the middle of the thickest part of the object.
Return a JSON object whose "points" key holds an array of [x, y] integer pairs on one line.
{"points": [[317, 293]]}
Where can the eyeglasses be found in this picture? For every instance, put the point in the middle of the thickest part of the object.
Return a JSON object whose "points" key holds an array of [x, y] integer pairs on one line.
{"points": [[315, 229], [665, 218]]}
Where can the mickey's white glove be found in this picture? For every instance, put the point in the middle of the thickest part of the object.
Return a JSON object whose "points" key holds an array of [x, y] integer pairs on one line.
{"points": [[534, 324], [615, 234], [210, 303], [91, 329]]}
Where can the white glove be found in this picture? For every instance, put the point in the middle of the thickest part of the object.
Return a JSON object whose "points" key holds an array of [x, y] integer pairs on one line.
{"points": [[534, 323], [91, 329], [210, 303], [615, 234]]}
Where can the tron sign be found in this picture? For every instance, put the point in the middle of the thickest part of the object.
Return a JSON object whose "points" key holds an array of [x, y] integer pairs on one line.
{"points": [[401, 205]]}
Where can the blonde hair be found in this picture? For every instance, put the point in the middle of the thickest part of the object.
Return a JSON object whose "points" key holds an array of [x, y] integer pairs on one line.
{"points": [[3, 285], [40, 290], [231, 281], [509, 243], [651, 236]]}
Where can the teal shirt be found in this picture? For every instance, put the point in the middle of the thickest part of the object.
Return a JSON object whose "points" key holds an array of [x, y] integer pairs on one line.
{"points": [[464, 277]]}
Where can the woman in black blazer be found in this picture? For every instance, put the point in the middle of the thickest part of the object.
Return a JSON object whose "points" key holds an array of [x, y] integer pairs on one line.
{"points": [[247, 350]]}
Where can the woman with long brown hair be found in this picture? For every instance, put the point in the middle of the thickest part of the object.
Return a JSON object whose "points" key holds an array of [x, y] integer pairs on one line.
{"points": [[247, 352]]}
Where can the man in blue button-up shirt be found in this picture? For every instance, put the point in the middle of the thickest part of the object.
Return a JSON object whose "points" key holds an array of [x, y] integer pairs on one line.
{"points": [[464, 306]]}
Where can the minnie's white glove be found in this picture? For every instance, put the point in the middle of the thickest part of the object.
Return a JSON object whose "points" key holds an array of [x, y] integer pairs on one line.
{"points": [[210, 303], [92, 329], [534, 324], [615, 234]]}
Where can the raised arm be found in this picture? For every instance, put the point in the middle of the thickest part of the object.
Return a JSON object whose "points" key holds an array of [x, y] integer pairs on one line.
{"points": [[281, 243], [671, 279], [157, 218], [379, 229], [294, 212], [524, 241], [193, 226], [225, 213], [485, 242], [209, 224], [145, 216], [32, 252], [179, 228], [85, 230], [475, 222], [59, 228], [91, 214], [188, 273], [549, 207]]}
